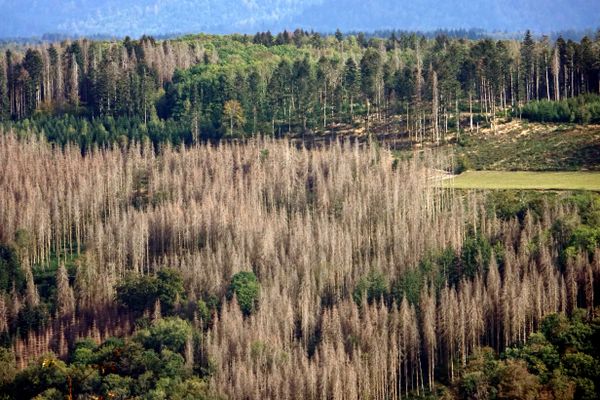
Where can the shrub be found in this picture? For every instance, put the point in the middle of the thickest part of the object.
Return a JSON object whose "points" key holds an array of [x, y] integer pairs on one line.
{"points": [[462, 164]]}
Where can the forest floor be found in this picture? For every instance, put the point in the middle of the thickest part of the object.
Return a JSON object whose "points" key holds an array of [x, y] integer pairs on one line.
{"points": [[524, 146], [571, 180], [514, 145]]}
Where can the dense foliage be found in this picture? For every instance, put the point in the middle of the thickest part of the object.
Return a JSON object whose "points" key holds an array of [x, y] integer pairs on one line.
{"points": [[582, 110], [560, 362], [156, 363], [140, 293]]}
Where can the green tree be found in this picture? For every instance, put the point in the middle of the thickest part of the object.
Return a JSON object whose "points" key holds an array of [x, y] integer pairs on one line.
{"points": [[170, 288], [567, 334], [338, 35], [233, 112], [561, 386], [279, 93], [409, 285], [8, 368], [256, 93], [140, 293], [4, 99], [475, 257], [527, 62], [515, 382], [246, 288], [370, 73], [48, 373], [166, 333], [190, 389], [303, 88], [374, 286], [370, 76], [11, 273], [479, 375], [541, 356], [351, 83], [33, 317], [34, 65]]}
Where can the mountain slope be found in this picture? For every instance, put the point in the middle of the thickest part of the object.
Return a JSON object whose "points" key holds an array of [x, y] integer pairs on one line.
{"points": [[511, 15], [130, 17]]}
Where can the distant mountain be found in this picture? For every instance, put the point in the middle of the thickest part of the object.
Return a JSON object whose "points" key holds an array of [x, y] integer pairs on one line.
{"points": [[425, 15], [134, 18]]}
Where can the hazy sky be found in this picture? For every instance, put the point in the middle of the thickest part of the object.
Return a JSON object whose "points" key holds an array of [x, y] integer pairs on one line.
{"points": [[135, 17]]}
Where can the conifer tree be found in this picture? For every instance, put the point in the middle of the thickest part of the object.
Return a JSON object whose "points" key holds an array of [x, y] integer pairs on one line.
{"points": [[65, 300], [351, 83], [370, 75], [4, 99], [74, 80]]}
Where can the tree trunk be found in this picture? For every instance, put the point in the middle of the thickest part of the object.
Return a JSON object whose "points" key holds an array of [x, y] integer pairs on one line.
{"points": [[572, 78], [470, 111], [435, 106], [537, 81], [324, 107], [547, 79], [457, 119]]}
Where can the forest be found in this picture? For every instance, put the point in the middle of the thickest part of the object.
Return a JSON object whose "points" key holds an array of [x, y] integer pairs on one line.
{"points": [[201, 87], [340, 262], [173, 224]]}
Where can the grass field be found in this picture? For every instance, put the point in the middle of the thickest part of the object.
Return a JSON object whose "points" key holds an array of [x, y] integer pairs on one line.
{"points": [[525, 180]]}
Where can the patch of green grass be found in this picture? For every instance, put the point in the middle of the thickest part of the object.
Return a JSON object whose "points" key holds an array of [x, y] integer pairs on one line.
{"points": [[525, 180]]}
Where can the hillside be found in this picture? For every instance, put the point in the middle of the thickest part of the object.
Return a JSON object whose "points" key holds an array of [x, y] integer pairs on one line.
{"points": [[529, 146], [276, 216]]}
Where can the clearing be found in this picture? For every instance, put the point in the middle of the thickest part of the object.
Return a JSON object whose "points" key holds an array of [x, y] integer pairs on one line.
{"points": [[523, 146], [525, 180]]}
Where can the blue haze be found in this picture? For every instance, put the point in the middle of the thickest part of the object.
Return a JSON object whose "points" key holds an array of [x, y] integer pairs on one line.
{"points": [[27, 18]]}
